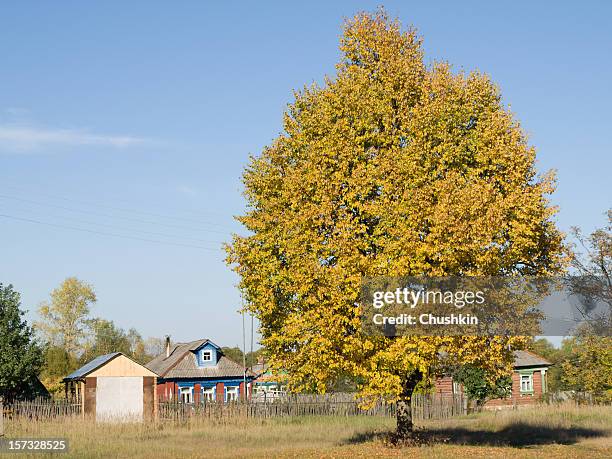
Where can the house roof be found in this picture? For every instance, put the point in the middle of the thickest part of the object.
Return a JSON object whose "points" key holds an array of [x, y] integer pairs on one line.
{"points": [[529, 359], [91, 366], [182, 363], [161, 364], [259, 368]]}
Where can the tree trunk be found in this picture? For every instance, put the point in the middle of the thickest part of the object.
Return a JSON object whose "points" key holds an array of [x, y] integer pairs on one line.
{"points": [[404, 418], [404, 406]]}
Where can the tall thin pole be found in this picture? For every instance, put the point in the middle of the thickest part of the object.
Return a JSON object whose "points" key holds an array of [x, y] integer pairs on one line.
{"points": [[252, 336], [243, 351]]}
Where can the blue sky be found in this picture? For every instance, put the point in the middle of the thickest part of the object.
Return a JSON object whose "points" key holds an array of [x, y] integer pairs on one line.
{"points": [[134, 120]]}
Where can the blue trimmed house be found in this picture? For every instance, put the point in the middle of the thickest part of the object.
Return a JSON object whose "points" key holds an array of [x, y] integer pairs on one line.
{"points": [[197, 372]]}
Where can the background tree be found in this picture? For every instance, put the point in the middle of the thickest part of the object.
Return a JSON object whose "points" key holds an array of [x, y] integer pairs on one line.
{"points": [[390, 168], [64, 318], [20, 356], [236, 354], [589, 365], [154, 346], [137, 346], [479, 387], [58, 363], [592, 279], [107, 338]]}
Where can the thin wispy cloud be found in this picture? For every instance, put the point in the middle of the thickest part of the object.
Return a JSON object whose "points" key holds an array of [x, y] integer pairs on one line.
{"points": [[21, 138]]}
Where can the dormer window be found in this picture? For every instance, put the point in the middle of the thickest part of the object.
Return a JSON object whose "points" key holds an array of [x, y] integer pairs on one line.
{"points": [[207, 355]]}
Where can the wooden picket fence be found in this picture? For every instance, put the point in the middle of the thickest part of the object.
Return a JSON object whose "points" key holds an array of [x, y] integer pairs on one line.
{"points": [[41, 408], [424, 406], [579, 398], [438, 406]]}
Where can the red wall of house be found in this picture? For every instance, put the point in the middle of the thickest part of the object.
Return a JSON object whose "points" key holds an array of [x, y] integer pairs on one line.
{"points": [[220, 392], [197, 393], [444, 385], [517, 398], [166, 388], [244, 394]]}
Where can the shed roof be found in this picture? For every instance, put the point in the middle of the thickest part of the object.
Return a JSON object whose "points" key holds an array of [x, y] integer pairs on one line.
{"points": [[91, 366], [529, 359]]}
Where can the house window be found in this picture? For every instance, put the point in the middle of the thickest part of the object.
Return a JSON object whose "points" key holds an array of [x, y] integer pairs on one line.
{"points": [[186, 394], [206, 356], [527, 383], [231, 393], [208, 394]]}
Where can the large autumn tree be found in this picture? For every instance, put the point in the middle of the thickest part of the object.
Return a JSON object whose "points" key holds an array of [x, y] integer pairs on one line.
{"points": [[393, 168]]}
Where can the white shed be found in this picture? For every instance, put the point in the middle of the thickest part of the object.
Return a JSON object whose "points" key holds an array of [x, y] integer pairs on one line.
{"points": [[113, 387]]}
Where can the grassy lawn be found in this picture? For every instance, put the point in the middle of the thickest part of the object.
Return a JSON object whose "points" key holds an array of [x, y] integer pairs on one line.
{"points": [[541, 432]]}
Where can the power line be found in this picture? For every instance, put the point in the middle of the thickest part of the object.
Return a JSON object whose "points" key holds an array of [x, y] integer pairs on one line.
{"points": [[120, 209], [107, 234], [86, 222], [38, 203]]}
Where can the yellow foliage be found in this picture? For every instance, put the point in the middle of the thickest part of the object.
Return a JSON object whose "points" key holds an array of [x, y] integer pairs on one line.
{"points": [[390, 168]]}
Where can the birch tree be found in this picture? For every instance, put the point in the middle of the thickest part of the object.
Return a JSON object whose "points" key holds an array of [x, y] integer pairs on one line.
{"points": [[65, 317]]}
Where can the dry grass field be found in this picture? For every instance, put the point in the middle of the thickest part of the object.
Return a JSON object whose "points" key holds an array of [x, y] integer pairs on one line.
{"points": [[564, 431]]}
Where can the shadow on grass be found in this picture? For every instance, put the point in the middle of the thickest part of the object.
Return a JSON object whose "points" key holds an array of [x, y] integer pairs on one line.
{"points": [[516, 435]]}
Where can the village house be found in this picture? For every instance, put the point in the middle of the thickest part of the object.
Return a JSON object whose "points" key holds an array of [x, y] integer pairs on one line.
{"points": [[198, 371], [528, 382], [268, 385]]}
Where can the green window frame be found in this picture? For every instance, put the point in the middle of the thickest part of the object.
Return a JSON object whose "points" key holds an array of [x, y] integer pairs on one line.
{"points": [[526, 382]]}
